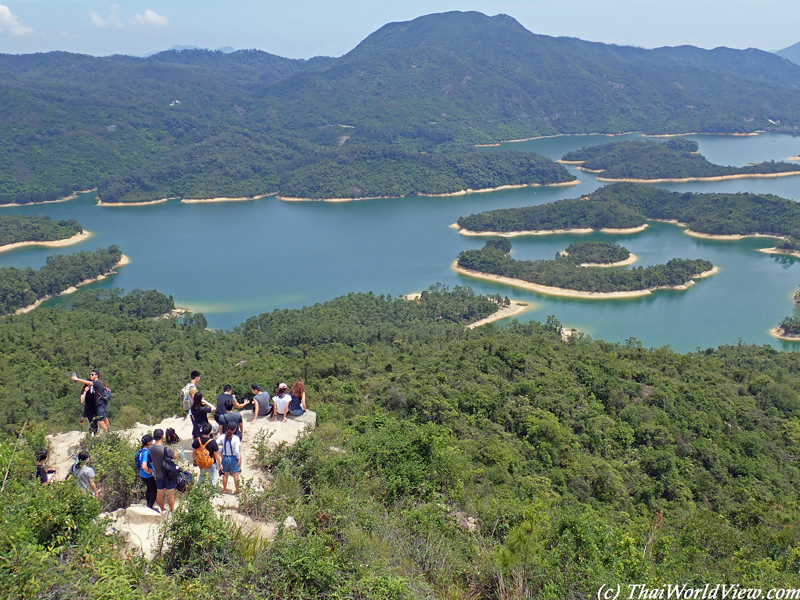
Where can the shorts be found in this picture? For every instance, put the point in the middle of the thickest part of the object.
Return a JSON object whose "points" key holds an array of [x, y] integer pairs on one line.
{"points": [[102, 411], [297, 412], [165, 484], [230, 464]]}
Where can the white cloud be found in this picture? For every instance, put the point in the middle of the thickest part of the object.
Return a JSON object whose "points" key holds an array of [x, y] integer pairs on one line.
{"points": [[10, 24], [112, 21], [150, 19]]}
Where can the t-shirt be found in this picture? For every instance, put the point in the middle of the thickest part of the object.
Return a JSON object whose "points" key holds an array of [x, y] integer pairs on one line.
{"points": [[231, 417], [232, 447], [83, 475], [200, 415], [210, 446], [263, 400], [157, 452], [143, 456], [189, 387], [221, 403], [281, 402]]}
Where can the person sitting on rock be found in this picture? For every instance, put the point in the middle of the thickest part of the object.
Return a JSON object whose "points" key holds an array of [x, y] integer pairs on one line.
{"points": [[280, 402], [261, 401], [84, 474], [231, 457], [297, 405], [44, 474]]}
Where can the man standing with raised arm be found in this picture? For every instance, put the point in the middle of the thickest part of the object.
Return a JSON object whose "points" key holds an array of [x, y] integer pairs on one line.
{"points": [[98, 388]]}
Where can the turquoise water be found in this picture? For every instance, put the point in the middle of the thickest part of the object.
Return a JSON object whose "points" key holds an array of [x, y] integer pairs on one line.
{"points": [[238, 259]]}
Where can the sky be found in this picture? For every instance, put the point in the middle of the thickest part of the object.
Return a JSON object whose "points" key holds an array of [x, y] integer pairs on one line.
{"points": [[306, 28]]}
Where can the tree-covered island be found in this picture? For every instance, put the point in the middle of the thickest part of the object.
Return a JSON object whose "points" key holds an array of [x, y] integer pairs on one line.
{"points": [[16, 229], [674, 159], [631, 205], [595, 253], [564, 273]]}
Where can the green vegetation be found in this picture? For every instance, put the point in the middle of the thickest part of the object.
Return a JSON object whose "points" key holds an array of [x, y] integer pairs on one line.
{"points": [[23, 287], [596, 253], [138, 304], [581, 461], [564, 272], [204, 124], [790, 325], [673, 159], [18, 228], [625, 205]]}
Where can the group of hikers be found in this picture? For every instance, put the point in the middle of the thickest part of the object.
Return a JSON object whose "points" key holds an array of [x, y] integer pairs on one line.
{"points": [[216, 445]]}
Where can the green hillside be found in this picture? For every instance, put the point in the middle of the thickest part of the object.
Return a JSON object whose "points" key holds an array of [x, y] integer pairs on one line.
{"points": [[581, 462], [206, 124]]}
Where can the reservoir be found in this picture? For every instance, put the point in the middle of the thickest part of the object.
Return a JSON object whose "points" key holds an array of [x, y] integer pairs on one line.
{"points": [[234, 260]]}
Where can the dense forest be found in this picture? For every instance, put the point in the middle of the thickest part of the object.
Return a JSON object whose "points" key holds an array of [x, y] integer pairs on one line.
{"points": [[206, 124], [356, 172], [582, 462], [564, 272], [596, 253], [23, 287], [626, 205], [673, 159], [19, 228]]}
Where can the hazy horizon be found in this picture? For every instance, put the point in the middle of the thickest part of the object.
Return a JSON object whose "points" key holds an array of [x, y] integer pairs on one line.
{"points": [[307, 28]]}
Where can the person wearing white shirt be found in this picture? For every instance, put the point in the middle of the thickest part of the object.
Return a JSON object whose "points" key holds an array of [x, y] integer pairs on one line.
{"points": [[231, 448], [281, 402]]}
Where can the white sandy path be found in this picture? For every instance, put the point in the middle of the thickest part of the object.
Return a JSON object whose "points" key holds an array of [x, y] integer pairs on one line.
{"points": [[554, 291], [70, 290], [75, 239]]}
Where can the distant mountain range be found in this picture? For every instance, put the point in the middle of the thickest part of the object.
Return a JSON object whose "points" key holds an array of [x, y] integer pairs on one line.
{"points": [[179, 48], [792, 53], [193, 121]]}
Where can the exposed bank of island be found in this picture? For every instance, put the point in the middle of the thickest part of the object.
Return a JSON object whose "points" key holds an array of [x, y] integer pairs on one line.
{"points": [[17, 231], [565, 276], [675, 159], [26, 288], [631, 205]]}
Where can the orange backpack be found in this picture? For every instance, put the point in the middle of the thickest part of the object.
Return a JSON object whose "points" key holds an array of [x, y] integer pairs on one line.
{"points": [[202, 457]]}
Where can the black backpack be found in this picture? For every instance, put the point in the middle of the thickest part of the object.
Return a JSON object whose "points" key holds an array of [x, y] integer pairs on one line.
{"points": [[184, 480], [171, 470], [106, 393]]}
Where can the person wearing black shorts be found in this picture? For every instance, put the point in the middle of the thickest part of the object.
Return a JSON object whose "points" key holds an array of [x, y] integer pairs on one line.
{"points": [[98, 387], [164, 486]]}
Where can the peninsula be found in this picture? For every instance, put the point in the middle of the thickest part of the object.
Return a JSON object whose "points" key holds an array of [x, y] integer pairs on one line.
{"points": [[630, 205], [566, 275], [17, 231], [671, 160]]}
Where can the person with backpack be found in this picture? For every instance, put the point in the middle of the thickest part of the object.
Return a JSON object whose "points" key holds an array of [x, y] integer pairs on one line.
{"points": [[102, 394], [84, 474], [144, 466], [231, 457], [189, 390], [166, 483], [206, 455]]}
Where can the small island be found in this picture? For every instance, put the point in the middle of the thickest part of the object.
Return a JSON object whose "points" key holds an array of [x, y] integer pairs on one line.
{"points": [[788, 330], [597, 254], [628, 207], [675, 159], [17, 231], [564, 276]]}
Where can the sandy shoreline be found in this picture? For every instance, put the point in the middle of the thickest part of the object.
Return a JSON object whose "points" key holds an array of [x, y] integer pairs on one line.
{"points": [[732, 238], [690, 179], [793, 158], [628, 261], [146, 203], [459, 193], [777, 332], [72, 196], [467, 232], [78, 237], [124, 260], [779, 251], [554, 291], [515, 308], [225, 199]]}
